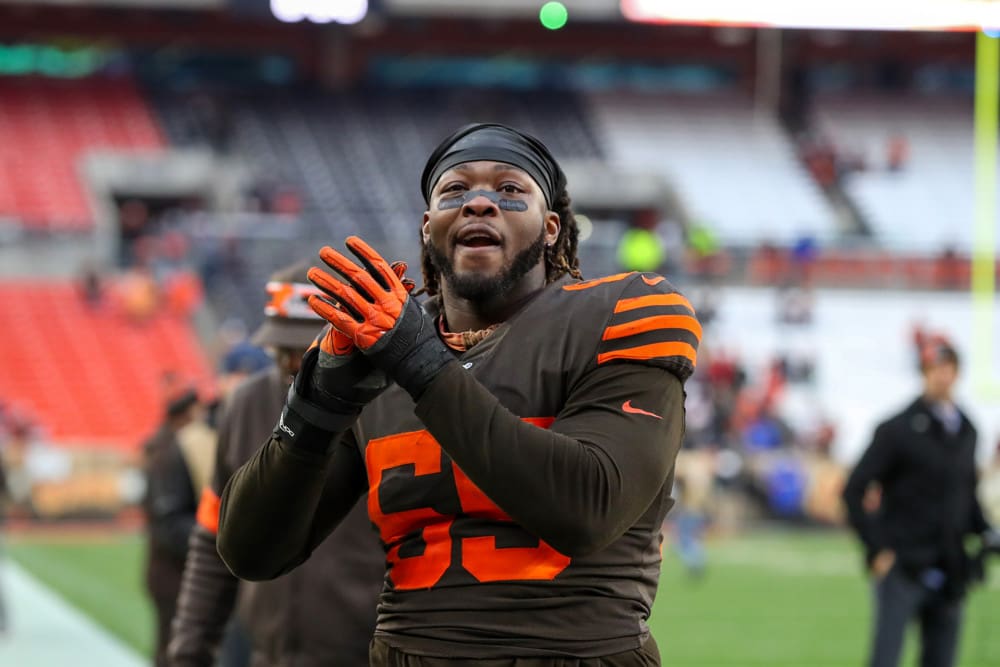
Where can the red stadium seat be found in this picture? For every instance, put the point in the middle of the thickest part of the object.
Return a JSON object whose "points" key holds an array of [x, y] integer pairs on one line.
{"points": [[48, 126], [91, 375]]}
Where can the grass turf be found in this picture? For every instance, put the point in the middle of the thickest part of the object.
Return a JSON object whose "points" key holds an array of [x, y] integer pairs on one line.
{"points": [[775, 599], [101, 575]]}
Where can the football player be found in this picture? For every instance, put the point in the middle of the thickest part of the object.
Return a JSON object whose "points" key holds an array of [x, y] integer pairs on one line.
{"points": [[516, 433]]}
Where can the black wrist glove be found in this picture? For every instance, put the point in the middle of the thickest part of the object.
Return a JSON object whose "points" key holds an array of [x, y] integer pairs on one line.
{"points": [[313, 416], [411, 352]]}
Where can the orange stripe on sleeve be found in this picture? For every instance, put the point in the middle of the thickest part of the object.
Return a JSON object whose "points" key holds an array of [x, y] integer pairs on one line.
{"points": [[208, 511], [645, 324], [644, 352], [597, 281], [652, 300]]}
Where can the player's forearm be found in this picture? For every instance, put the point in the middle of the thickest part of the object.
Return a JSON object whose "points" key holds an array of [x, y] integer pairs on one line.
{"points": [[267, 510], [204, 604], [578, 489]]}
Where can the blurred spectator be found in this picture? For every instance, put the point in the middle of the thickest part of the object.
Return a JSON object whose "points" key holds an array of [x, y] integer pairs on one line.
{"points": [[950, 270], [915, 544], [182, 293], [795, 305], [820, 157], [693, 490], [322, 613], [765, 432], [897, 152], [173, 464], [804, 253], [785, 486], [240, 361], [133, 221], [138, 294], [91, 285], [287, 201]]}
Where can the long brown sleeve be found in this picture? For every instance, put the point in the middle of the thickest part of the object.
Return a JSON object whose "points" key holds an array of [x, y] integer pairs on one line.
{"points": [[580, 484], [283, 502]]}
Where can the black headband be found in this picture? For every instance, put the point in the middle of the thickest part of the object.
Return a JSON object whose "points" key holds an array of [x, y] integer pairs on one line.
{"points": [[497, 143]]}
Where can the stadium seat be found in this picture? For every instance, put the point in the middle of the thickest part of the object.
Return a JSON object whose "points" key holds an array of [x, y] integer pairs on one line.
{"points": [[48, 126], [735, 170], [928, 204], [90, 375]]}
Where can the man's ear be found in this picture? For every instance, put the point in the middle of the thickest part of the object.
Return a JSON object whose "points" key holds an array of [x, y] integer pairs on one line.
{"points": [[552, 227], [425, 229]]}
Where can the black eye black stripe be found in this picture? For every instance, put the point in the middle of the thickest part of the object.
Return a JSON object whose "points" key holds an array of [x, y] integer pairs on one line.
{"points": [[495, 197]]}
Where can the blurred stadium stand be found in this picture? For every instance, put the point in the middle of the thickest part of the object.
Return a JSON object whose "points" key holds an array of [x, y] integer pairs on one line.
{"points": [[358, 156], [47, 126], [249, 143], [90, 375], [925, 203], [736, 168]]}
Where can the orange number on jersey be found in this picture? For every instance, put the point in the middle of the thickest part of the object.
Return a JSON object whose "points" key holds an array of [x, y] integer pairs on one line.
{"points": [[480, 555], [421, 451], [482, 558]]}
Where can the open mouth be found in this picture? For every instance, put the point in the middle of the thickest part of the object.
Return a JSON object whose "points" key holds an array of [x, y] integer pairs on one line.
{"points": [[479, 242], [478, 236]]}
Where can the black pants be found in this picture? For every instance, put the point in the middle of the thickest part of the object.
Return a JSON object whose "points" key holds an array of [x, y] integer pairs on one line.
{"points": [[898, 600], [647, 655], [164, 607]]}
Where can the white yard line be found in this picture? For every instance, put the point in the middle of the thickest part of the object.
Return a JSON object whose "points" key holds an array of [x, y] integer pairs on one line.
{"points": [[788, 562], [44, 631], [799, 564]]}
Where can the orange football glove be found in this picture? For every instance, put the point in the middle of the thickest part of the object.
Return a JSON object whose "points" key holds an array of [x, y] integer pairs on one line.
{"points": [[339, 344], [332, 386], [374, 309]]}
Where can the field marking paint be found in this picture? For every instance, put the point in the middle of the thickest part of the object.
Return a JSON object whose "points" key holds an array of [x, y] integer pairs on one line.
{"points": [[803, 565], [46, 631]]}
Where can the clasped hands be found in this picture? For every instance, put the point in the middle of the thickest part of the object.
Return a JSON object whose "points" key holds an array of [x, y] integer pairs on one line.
{"points": [[372, 313]]}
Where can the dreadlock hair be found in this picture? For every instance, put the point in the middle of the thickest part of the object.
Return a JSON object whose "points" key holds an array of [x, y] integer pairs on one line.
{"points": [[560, 257]]}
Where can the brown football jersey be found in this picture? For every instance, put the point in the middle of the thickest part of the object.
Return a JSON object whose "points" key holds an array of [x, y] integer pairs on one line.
{"points": [[465, 579]]}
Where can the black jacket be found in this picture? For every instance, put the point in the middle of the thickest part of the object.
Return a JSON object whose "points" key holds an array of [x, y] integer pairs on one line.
{"points": [[929, 504], [169, 505]]}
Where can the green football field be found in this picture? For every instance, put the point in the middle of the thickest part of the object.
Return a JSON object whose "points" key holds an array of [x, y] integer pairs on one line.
{"points": [[775, 599]]}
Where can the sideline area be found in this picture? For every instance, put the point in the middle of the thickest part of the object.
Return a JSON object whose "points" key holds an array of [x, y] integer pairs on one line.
{"points": [[44, 631]]}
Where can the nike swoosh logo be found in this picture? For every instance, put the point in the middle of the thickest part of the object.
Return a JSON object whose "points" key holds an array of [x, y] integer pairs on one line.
{"points": [[653, 281], [631, 409]]}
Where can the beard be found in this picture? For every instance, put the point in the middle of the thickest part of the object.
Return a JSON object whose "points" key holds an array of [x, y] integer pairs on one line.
{"points": [[477, 287]]}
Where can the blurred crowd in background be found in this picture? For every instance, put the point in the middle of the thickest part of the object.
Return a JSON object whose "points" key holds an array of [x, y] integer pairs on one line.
{"points": [[159, 182]]}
